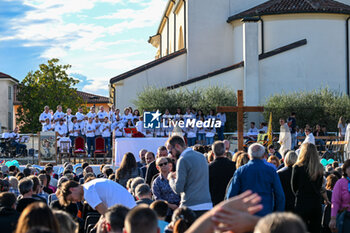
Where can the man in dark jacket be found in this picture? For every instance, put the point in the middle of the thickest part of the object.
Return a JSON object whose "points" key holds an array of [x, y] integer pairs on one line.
{"points": [[220, 172], [8, 215]]}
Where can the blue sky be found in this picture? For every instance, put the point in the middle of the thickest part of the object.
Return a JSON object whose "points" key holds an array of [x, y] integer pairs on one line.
{"points": [[99, 38]]}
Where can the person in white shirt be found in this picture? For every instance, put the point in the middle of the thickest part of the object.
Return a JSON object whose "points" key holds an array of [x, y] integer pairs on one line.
{"points": [[80, 118], [263, 128], [309, 137], [100, 194], [92, 112], [61, 130], [106, 133], [118, 116], [252, 132], [111, 114], [188, 115], [118, 127], [45, 115], [139, 126], [201, 132], [102, 114], [127, 115], [97, 122], [59, 115], [90, 129], [69, 117], [47, 126], [191, 136], [222, 117], [74, 130], [209, 135], [20, 148], [136, 114]]}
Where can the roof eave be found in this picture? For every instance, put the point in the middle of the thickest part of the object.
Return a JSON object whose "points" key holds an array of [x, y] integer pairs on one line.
{"points": [[241, 16]]}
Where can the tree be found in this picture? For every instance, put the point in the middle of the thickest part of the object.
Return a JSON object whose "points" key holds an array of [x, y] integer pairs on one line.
{"points": [[205, 99], [50, 85], [322, 106]]}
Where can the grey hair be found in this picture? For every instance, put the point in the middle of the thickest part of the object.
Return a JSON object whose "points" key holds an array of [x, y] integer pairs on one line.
{"points": [[290, 158], [256, 150], [218, 148], [13, 182], [280, 222], [136, 181], [25, 185]]}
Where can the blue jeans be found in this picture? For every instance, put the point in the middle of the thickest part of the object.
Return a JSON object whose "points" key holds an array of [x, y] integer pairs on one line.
{"points": [[72, 138], [20, 148], [209, 141], [107, 143], [220, 132], [90, 143], [201, 137], [294, 140], [191, 141]]}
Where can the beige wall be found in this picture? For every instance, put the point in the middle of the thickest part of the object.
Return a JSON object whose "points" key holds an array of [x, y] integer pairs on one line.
{"points": [[6, 105]]}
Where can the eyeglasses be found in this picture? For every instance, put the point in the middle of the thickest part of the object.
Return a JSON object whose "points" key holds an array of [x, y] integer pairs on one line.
{"points": [[163, 164]]}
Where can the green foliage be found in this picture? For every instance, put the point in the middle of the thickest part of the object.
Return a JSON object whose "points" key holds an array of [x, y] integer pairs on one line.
{"points": [[322, 107], [50, 85], [205, 99]]}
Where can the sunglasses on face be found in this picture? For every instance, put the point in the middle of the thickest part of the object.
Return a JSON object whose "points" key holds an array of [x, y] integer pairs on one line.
{"points": [[163, 164]]}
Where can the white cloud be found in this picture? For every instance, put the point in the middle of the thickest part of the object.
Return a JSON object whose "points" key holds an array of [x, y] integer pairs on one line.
{"points": [[91, 48]]}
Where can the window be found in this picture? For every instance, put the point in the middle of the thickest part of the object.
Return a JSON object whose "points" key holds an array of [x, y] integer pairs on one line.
{"points": [[181, 39], [9, 121], [10, 92]]}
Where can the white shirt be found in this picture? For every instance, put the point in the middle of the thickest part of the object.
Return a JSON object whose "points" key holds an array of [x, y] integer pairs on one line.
{"points": [[43, 116], [253, 132], [309, 139], [61, 129], [90, 127], [118, 127], [221, 117], [58, 115], [192, 132], [75, 128], [47, 127], [125, 118], [97, 128], [91, 115], [6, 135], [111, 116], [264, 129], [102, 115], [139, 126], [108, 192], [105, 129], [69, 119], [210, 133]]}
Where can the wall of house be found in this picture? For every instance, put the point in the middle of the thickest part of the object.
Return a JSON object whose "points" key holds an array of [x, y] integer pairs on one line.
{"points": [[6, 109], [165, 74], [210, 37]]}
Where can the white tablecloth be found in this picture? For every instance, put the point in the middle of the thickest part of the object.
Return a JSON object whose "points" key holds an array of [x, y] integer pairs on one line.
{"points": [[134, 145]]}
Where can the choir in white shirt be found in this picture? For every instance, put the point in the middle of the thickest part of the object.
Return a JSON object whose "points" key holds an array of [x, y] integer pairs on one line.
{"points": [[103, 123]]}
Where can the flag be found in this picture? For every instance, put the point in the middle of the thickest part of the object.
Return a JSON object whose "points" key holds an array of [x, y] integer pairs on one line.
{"points": [[269, 130]]}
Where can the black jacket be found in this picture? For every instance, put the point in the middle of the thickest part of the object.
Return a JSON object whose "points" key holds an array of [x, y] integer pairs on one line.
{"points": [[8, 219], [285, 175], [220, 173]]}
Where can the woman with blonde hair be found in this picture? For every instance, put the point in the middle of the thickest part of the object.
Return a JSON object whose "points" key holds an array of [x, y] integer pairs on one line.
{"points": [[67, 224], [307, 178], [37, 214], [341, 127], [242, 159]]}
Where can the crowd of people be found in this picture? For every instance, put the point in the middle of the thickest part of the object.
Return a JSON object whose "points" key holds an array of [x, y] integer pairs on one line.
{"points": [[199, 189]]}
